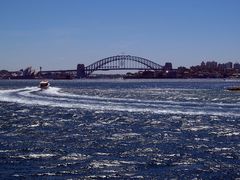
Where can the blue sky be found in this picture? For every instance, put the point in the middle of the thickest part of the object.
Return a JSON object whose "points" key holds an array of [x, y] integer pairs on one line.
{"points": [[59, 34]]}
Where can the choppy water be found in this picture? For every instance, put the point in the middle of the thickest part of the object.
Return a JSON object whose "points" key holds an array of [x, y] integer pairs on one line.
{"points": [[120, 129]]}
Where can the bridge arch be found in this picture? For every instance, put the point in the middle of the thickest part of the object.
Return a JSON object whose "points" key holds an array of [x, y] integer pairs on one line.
{"points": [[122, 62]]}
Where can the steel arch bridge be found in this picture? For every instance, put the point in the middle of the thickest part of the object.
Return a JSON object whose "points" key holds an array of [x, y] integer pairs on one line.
{"points": [[122, 62]]}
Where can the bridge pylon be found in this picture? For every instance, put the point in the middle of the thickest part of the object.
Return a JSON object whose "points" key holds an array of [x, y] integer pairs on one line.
{"points": [[81, 71]]}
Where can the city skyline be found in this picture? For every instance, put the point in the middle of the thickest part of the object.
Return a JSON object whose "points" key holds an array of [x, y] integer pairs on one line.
{"points": [[60, 34], [143, 68], [56, 68]]}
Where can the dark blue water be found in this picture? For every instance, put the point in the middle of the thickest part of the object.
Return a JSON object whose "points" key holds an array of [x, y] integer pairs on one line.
{"points": [[120, 129]]}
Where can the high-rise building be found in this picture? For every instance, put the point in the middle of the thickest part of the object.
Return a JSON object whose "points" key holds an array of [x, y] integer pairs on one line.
{"points": [[222, 67], [211, 65], [203, 64], [229, 65], [236, 66]]}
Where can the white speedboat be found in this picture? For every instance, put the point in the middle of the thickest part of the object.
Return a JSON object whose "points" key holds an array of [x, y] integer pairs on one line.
{"points": [[44, 84]]}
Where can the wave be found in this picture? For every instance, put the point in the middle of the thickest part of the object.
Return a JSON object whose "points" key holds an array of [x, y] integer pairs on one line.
{"points": [[56, 97]]}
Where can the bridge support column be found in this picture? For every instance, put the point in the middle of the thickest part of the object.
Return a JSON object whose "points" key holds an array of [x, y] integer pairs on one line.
{"points": [[81, 71]]}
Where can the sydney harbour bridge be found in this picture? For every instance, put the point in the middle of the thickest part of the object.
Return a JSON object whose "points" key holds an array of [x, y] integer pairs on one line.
{"points": [[119, 62]]}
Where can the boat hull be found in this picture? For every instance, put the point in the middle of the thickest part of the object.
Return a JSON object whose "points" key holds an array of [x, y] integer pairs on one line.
{"points": [[233, 89], [44, 85]]}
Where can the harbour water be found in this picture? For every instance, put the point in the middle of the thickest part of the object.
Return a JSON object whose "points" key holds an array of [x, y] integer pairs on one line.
{"points": [[151, 129]]}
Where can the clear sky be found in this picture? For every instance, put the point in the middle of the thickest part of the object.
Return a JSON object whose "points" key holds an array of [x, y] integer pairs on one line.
{"points": [[59, 34]]}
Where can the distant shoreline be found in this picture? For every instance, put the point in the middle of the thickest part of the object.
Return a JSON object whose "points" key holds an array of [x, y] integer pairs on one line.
{"points": [[132, 79]]}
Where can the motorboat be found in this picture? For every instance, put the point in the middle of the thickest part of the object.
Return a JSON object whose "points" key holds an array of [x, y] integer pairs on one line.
{"points": [[237, 88], [44, 84]]}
